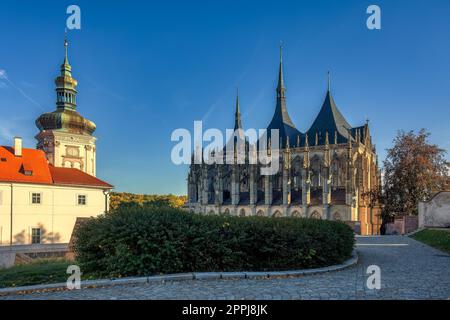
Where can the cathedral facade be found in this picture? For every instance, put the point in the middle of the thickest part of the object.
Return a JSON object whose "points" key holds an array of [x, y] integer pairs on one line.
{"points": [[328, 172]]}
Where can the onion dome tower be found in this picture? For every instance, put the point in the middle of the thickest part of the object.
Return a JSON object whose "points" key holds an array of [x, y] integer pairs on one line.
{"points": [[65, 136]]}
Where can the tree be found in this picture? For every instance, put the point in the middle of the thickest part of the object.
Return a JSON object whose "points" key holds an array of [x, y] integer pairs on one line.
{"points": [[413, 170]]}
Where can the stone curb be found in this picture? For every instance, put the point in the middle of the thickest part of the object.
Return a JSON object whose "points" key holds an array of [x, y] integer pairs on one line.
{"points": [[181, 277]]}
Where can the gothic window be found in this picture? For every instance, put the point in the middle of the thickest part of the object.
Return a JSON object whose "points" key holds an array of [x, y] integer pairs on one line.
{"points": [[296, 172], [316, 172], [260, 213], [337, 216], [242, 213], [335, 172], [296, 214], [316, 215], [277, 214], [226, 212]]}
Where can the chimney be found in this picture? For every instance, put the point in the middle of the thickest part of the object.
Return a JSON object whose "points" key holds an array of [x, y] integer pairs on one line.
{"points": [[17, 146]]}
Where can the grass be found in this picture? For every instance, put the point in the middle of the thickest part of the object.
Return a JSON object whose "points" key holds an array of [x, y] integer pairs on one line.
{"points": [[439, 239], [42, 272]]}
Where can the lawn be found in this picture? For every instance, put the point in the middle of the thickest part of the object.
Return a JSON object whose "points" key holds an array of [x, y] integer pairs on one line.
{"points": [[42, 272], [439, 239]]}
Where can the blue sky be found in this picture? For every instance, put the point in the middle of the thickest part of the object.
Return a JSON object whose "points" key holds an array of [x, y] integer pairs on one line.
{"points": [[147, 68]]}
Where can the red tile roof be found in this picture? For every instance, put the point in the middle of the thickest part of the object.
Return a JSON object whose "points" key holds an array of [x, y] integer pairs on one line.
{"points": [[12, 169], [69, 176]]}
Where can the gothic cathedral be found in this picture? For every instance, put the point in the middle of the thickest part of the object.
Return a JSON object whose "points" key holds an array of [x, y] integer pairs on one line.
{"points": [[328, 172]]}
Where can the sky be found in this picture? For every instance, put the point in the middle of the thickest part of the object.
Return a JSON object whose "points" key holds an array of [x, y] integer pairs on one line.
{"points": [[147, 68]]}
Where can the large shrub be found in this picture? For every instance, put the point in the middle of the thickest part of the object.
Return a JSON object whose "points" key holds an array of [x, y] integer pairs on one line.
{"points": [[145, 241]]}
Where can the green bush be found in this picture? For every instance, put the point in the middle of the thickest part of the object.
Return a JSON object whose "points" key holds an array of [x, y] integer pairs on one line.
{"points": [[145, 241]]}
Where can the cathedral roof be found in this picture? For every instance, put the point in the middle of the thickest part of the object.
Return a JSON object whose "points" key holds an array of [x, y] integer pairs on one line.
{"points": [[330, 120], [281, 119]]}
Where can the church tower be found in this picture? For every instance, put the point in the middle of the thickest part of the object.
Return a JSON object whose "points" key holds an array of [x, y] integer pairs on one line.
{"points": [[65, 136]]}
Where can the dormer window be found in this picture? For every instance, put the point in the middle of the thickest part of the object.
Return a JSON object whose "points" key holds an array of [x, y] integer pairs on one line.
{"points": [[27, 169]]}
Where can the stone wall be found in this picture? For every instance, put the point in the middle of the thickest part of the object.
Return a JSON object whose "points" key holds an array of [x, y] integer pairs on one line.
{"points": [[436, 211], [402, 225]]}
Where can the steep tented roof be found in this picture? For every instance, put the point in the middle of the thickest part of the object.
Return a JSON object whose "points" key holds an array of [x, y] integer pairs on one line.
{"points": [[281, 119], [329, 120]]}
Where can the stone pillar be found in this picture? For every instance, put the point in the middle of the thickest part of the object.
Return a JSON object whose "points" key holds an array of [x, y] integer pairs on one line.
{"points": [[306, 177], [268, 190], [235, 185], [326, 196], [218, 186], [306, 188], [252, 184], [286, 178], [204, 184]]}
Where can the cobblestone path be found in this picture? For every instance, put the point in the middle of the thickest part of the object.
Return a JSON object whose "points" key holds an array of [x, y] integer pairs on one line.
{"points": [[409, 270]]}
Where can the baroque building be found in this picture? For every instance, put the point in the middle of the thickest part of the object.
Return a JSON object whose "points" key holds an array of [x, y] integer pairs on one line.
{"points": [[328, 172], [45, 191], [65, 136]]}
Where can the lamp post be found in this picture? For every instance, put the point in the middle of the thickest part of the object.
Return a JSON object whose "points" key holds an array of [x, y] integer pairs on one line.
{"points": [[106, 193]]}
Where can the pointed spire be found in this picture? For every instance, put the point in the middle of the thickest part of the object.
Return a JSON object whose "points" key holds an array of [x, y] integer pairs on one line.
{"points": [[281, 90], [237, 115], [329, 81], [306, 155], [65, 67]]}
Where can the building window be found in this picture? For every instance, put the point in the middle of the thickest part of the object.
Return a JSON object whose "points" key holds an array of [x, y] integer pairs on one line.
{"points": [[36, 198], [81, 200], [72, 151], [35, 235]]}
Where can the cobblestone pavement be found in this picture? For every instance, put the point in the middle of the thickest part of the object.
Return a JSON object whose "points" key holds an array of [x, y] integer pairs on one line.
{"points": [[409, 270]]}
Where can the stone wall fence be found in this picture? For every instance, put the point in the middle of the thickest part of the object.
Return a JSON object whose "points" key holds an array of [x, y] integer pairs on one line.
{"points": [[435, 212]]}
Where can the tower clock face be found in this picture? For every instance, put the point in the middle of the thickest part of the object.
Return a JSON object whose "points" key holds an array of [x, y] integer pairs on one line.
{"points": [[73, 151]]}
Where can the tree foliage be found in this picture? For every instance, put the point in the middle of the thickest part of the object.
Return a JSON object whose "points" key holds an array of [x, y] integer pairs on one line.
{"points": [[123, 199], [414, 169]]}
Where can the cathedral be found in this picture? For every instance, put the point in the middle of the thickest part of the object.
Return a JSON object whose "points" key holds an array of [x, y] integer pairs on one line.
{"points": [[328, 172]]}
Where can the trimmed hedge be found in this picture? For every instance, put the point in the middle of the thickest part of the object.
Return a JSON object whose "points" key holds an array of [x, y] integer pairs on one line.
{"points": [[145, 241]]}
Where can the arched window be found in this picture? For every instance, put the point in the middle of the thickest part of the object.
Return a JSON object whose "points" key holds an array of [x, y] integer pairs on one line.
{"points": [[337, 216], [242, 213], [296, 214], [277, 214], [226, 212], [315, 215], [260, 213]]}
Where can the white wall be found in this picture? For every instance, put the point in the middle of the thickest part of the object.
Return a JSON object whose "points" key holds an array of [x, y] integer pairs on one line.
{"points": [[436, 211], [56, 214]]}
